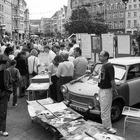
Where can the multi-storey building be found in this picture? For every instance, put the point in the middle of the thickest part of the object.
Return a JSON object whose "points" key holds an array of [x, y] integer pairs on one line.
{"points": [[5, 17], [45, 26], [132, 16], [112, 11], [26, 23], [62, 19], [2, 23], [35, 26], [8, 16], [20, 19], [55, 22], [115, 15], [15, 18]]}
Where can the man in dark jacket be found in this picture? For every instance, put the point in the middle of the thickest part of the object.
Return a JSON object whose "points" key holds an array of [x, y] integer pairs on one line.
{"points": [[5, 90]]}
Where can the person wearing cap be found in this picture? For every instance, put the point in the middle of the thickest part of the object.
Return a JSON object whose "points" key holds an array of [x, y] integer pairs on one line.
{"points": [[5, 91], [107, 87]]}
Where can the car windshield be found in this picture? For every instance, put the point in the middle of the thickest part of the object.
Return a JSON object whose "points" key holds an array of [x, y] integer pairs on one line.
{"points": [[119, 71]]}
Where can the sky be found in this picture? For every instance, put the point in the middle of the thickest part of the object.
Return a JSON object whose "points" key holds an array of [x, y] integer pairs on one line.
{"points": [[44, 8]]}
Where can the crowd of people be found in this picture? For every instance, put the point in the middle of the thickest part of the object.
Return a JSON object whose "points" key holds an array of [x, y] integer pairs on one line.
{"points": [[21, 60], [63, 61]]}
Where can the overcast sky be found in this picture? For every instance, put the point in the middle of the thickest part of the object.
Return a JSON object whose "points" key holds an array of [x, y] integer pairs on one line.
{"points": [[44, 8]]}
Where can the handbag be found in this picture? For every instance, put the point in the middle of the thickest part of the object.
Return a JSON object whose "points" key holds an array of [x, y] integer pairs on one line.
{"points": [[34, 73]]}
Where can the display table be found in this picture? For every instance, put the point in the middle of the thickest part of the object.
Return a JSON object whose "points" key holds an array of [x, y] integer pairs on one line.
{"points": [[39, 83], [65, 121]]}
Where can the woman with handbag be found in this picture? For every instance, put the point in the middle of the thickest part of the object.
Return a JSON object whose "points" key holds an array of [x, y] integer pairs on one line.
{"points": [[33, 63]]}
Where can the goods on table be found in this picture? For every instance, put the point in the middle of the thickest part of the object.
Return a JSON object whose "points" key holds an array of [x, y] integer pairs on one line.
{"points": [[69, 123]]}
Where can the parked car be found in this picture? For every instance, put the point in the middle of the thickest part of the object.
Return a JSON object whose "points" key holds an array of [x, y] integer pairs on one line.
{"points": [[82, 94]]}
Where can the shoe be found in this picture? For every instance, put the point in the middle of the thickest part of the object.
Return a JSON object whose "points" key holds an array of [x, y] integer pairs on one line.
{"points": [[4, 133], [111, 130]]}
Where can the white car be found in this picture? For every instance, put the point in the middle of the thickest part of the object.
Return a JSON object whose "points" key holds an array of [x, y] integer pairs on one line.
{"points": [[82, 94]]}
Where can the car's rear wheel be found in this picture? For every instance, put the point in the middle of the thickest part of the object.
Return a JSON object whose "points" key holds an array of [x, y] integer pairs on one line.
{"points": [[116, 111]]}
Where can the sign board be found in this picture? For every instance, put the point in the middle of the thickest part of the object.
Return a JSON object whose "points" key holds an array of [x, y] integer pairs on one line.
{"points": [[96, 43], [108, 43], [124, 44], [85, 44]]}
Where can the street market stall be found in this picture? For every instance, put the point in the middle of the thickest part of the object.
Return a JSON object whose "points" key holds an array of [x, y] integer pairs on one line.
{"points": [[65, 121], [39, 85]]}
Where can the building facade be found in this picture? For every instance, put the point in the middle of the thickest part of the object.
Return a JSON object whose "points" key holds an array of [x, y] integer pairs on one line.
{"points": [[20, 19], [26, 23], [45, 26], [8, 17], [132, 17], [115, 15], [111, 11], [2, 23]]}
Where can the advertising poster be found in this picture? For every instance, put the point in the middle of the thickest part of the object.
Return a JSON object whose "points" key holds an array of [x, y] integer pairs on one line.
{"points": [[85, 41], [96, 43], [108, 43], [123, 44]]}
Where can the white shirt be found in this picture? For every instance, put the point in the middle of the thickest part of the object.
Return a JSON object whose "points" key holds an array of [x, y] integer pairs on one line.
{"points": [[3, 49], [47, 57], [65, 68], [33, 60]]}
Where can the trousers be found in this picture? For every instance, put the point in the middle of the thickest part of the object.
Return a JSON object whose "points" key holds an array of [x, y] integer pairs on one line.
{"points": [[105, 99], [3, 112]]}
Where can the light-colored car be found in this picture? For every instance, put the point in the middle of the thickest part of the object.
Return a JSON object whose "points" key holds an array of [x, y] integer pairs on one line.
{"points": [[82, 94]]}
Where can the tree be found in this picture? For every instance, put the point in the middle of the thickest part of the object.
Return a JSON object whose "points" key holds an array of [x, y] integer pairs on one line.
{"points": [[81, 22]]}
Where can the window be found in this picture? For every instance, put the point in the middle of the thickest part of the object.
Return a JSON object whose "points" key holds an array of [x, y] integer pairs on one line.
{"points": [[135, 14], [115, 25], [129, 24], [121, 14], [133, 72], [121, 24], [130, 6], [135, 5], [115, 15], [135, 23], [129, 14]]}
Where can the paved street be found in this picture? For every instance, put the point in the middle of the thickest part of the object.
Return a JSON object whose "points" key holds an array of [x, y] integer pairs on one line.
{"points": [[20, 127], [19, 124]]}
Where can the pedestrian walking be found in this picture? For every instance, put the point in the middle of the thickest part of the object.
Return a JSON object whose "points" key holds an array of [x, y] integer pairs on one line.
{"points": [[107, 87], [15, 77], [80, 63], [65, 74], [52, 69], [5, 91], [22, 66]]}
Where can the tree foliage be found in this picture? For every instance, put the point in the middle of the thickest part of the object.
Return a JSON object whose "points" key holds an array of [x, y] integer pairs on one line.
{"points": [[81, 22]]}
